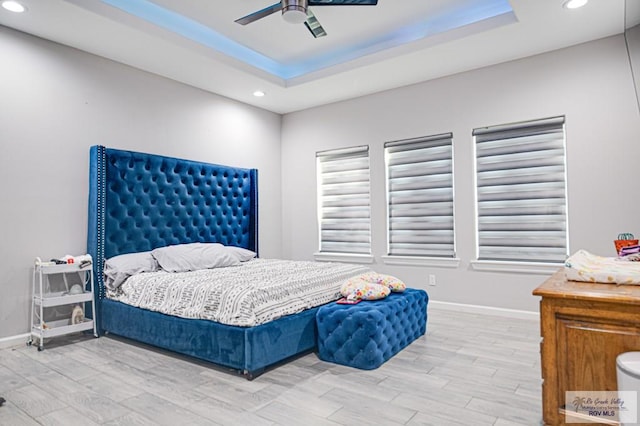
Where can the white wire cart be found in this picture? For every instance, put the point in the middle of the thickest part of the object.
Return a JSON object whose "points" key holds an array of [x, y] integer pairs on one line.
{"points": [[44, 297]]}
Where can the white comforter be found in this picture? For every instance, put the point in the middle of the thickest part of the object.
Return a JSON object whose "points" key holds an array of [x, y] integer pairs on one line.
{"points": [[256, 292]]}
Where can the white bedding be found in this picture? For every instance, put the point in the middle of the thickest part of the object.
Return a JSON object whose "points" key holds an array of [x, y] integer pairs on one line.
{"points": [[253, 293]]}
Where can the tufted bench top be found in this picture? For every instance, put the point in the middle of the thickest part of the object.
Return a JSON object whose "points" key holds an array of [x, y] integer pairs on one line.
{"points": [[367, 334]]}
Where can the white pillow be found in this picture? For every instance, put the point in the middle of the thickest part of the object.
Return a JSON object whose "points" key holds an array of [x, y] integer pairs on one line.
{"points": [[118, 268], [194, 256], [242, 254]]}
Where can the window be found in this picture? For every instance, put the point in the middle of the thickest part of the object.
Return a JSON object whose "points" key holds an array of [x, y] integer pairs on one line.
{"points": [[521, 192], [420, 196], [343, 200]]}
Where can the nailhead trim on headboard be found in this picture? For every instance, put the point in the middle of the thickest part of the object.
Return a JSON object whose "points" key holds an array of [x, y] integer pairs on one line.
{"points": [[101, 190]]}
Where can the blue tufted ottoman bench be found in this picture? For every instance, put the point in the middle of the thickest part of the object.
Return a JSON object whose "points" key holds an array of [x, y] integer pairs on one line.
{"points": [[367, 334]]}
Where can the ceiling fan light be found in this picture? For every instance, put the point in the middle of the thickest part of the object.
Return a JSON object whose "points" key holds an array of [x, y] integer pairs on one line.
{"points": [[294, 14]]}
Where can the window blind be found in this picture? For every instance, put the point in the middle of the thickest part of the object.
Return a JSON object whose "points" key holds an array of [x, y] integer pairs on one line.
{"points": [[521, 192], [420, 196], [343, 200]]}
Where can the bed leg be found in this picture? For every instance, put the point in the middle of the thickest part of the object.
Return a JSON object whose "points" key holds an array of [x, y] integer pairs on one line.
{"points": [[250, 375]]}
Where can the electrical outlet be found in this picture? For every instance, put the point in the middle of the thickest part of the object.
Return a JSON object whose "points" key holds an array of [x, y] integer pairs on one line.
{"points": [[432, 279]]}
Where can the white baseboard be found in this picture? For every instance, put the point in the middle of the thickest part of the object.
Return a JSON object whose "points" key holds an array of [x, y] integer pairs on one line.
{"points": [[485, 310], [11, 341]]}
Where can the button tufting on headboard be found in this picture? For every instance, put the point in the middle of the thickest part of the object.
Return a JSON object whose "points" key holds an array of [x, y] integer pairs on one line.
{"points": [[153, 201]]}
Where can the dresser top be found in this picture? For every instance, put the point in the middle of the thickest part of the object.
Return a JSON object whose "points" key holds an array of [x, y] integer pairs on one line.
{"points": [[558, 287]]}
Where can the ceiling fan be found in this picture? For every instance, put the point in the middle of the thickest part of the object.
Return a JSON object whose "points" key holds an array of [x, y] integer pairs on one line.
{"points": [[297, 12]]}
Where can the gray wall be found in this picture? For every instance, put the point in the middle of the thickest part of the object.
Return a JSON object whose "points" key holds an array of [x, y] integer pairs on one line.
{"points": [[55, 102], [632, 37], [590, 84]]}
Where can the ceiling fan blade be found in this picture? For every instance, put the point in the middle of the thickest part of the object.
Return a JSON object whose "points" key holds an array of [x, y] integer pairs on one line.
{"points": [[252, 17], [343, 2], [313, 25]]}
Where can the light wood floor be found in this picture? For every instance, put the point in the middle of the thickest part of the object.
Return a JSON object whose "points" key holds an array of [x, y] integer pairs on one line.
{"points": [[468, 370]]}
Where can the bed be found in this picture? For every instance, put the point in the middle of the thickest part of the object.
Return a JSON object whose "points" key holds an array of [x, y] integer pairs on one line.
{"points": [[140, 202]]}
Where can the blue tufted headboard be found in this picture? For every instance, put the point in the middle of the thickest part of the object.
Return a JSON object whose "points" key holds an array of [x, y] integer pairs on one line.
{"points": [[138, 202]]}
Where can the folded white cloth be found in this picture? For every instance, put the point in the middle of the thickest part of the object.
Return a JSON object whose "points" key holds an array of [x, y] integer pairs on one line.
{"points": [[585, 266]]}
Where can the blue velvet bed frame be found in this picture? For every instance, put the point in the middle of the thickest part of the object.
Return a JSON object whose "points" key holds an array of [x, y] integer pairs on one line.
{"points": [[138, 202]]}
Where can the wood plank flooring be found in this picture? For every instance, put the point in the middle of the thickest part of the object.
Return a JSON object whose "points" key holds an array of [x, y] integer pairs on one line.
{"points": [[468, 370]]}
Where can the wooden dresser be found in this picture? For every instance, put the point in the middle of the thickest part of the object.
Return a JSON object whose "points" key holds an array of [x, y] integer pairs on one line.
{"points": [[584, 327]]}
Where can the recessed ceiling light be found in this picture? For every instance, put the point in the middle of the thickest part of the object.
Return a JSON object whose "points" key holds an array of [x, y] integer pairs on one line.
{"points": [[574, 4], [13, 6], [258, 93]]}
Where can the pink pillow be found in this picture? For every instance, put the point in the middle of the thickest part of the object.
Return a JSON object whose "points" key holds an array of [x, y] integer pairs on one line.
{"points": [[392, 282], [358, 289]]}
